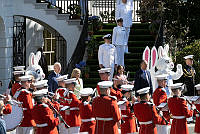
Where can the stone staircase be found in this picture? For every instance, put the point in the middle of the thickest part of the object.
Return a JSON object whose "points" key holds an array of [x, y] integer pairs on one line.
{"points": [[139, 38], [53, 20]]}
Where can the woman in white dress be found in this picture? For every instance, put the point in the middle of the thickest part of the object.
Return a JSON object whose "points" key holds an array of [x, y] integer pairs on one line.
{"points": [[79, 82], [119, 40]]}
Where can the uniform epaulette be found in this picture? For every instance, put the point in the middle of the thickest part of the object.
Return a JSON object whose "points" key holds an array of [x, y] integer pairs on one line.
{"points": [[85, 103], [150, 103], [71, 92], [121, 102], [136, 102], [113, 97], [44, 105]]}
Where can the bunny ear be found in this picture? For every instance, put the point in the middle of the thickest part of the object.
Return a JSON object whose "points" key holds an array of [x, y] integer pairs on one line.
{"points": [[38, 56], [154, 57], [31, 59], [146, 56], [166, 49], [160, 52]]}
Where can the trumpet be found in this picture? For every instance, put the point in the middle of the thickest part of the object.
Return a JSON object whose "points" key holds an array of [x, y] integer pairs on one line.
{"points": [[59, 115], [192, 105], [161, 115]]}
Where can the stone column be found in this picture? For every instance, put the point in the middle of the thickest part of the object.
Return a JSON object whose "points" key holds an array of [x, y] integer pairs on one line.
{"points": [[6, 43]]}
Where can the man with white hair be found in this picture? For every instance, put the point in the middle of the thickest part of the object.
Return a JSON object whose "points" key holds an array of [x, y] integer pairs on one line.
{"points": [[52, 82]]}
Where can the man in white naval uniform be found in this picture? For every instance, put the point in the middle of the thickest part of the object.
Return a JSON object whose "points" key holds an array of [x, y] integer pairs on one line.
{"points": [[124, 9], [107, 55], [119, 40]]}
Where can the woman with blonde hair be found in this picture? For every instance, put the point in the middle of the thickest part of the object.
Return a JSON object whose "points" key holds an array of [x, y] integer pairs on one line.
{"points": [[79, 82]]}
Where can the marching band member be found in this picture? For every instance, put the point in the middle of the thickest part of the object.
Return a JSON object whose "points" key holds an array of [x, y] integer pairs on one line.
{"points": [[179, 110], [104, 74], [19, 71], [87, 117], [107, 55], [7, 106], [72, 115], [197, 104], [189, 75], [25, 96], [128, 124], [43, 116], [61, 85], [146, 113], [2, 122], [160, 96], [106, 110], [119, 40]]}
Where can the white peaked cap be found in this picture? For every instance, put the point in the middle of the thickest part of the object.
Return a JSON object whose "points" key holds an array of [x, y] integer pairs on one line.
{"points": [[86, 92], [107, 36], [40, 92], [62, 78], [41, 83], [197, 86], [18, 72], [143, 90], [127, 87], [189, 57], [161, 77], [25, 78], [19, 68], [177, 86], [104, 70], [105, 84], [69, 81]]}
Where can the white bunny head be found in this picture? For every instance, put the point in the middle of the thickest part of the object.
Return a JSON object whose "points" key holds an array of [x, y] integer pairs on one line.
{"points": [[164, 61], [34, 68]]}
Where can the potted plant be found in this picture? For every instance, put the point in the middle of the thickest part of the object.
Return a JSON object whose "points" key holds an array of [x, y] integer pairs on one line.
{"points": [[91, 46], [75, 11], [94, 23]]}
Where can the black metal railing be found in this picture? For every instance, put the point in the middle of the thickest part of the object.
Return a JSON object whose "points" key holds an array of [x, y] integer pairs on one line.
{"points": [[76, 8], [19, 41], [106, 9]]}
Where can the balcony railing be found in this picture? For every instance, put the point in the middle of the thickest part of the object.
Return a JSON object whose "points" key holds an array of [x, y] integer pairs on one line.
{"points": [[107, 8], [77, 8]]}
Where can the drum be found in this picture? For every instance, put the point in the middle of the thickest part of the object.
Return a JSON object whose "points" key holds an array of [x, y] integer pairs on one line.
{"points": [[14, 119]]}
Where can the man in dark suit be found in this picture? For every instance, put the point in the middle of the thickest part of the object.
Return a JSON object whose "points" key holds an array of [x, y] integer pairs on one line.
{"points": [[52, 82], [143, 78]]}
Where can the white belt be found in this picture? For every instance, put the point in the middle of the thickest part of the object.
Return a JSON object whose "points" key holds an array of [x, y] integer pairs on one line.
{"points": [[74, 108], [87, 120], [146, 123], [124, 116], [25, 109], [104, 119], [42, 125], [179, 117]]}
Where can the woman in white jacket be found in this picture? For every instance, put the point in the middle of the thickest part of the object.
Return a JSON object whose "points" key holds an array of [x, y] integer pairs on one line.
{"points": [[119, 40]]}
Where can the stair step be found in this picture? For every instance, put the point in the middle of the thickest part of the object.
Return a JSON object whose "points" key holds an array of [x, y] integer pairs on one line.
{"points": [[134, 25], [131, 37], [62, 16], [29, 1], [132, 55], [74, 22], [52, 11], [140, 43], [136, 49], [132, 32], [41, 5]]}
